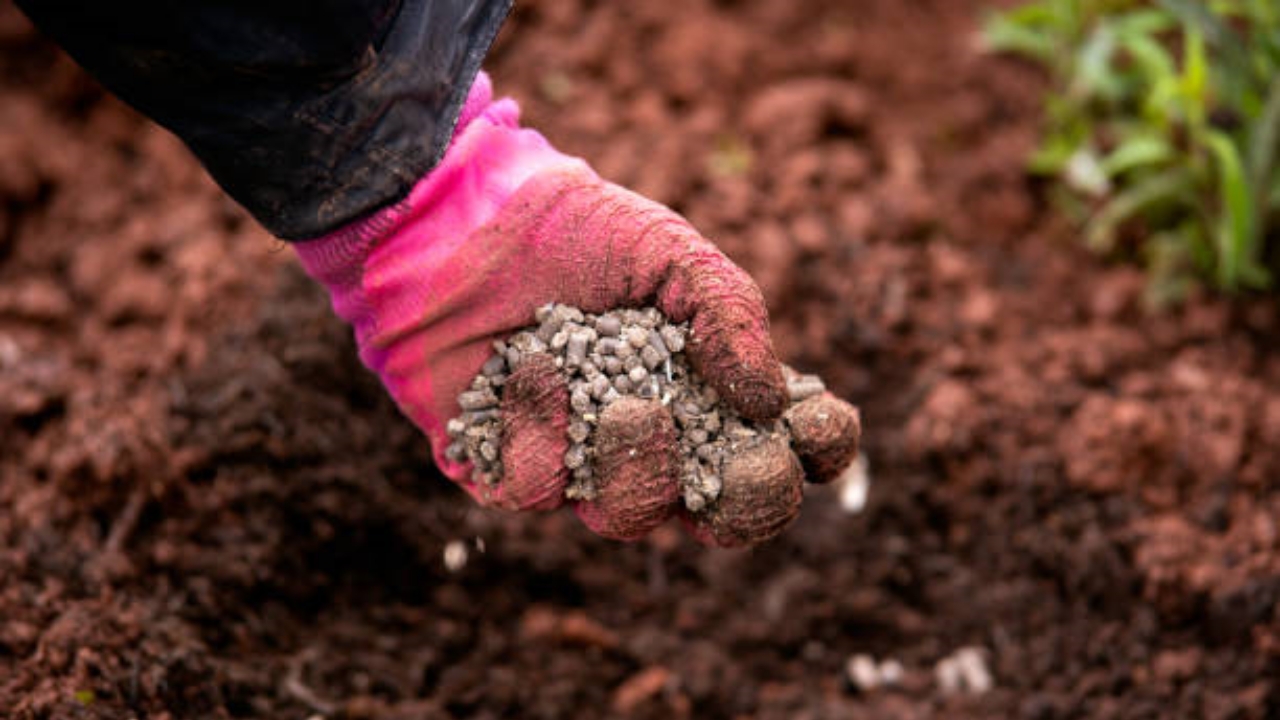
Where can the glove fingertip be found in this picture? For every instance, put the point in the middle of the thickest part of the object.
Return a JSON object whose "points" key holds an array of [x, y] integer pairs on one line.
{"points": [[741, 365], [825, 433], [636, 485], [729, 343], [535, 416], [756, 390], [760, 496]]}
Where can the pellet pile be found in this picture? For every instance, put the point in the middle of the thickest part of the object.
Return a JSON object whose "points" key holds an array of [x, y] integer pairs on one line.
{"points": [[605, 357]]}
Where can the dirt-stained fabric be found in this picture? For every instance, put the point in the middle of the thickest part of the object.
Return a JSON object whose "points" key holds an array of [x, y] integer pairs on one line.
{"points": [[309, 113]]}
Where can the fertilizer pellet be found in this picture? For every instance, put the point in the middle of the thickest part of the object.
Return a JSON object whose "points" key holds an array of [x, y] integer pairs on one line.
{"points": [[651, 358], [804, 387], [477, 399], [637, 337], [608, 326], [579, 431], [576, 457], [603, 358]]}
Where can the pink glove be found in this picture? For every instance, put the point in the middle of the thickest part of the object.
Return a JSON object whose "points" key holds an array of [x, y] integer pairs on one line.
{"points": [[503, 225]]}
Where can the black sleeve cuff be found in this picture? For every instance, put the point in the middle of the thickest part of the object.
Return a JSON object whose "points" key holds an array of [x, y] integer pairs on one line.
{"points": [[311, 114]]}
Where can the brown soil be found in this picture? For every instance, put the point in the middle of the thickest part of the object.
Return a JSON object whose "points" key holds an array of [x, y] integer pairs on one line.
{"points": [[208, 510]]}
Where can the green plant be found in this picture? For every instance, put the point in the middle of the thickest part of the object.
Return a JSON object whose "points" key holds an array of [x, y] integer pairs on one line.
{"points": [[1163, 116]]}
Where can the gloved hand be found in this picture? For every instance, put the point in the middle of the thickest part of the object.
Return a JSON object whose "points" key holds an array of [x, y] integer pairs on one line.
{"points": [[503, 225]]}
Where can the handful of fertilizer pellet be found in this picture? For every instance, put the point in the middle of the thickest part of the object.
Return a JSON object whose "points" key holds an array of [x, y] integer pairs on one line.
{"points": [[605, 358]]}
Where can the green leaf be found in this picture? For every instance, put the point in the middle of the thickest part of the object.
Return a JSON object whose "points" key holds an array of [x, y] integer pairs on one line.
{"points": [[1204, 23], [1169, 188], [1200, 248], [1237, 264], [1068, 130], [1194, 14], [1185, 97], [1050, 158], [1194, 81], [1145, 22], [1002, 33], [1152, 58], [1162, 105], [1264, 139], [1264, 12], [1137, 152], [1094, 74], [1036, 14]]}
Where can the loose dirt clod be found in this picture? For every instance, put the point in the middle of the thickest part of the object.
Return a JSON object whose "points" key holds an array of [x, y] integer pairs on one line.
{"points": [[633, 359]]}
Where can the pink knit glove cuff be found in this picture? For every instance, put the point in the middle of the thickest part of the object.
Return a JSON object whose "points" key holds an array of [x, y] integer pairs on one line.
{"points": [[382, 271], [335, 260]]}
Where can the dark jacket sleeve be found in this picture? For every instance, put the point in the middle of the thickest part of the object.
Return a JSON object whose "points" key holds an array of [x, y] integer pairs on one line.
{"points": [[310, 113]]}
